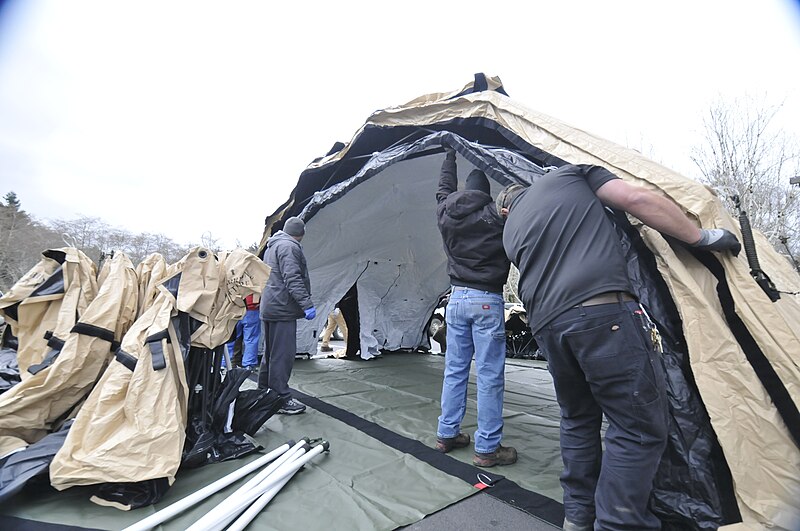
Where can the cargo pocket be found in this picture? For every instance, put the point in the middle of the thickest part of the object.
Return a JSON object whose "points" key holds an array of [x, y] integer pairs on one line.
{"points": [[645, 388]]}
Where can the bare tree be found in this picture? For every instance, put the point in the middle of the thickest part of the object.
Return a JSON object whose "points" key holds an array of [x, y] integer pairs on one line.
{"points": [[745, 157], [210, 242]]}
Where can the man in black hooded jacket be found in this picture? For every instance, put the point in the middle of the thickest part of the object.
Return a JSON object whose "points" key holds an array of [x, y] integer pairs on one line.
{"points": [[472, 232]]}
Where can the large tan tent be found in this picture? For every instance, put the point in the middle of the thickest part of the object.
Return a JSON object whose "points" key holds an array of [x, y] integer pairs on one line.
{"points": [[732, 352]]}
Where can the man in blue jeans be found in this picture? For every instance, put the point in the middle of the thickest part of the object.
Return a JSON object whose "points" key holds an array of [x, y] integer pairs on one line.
{"points": [[601, 348], [477, 265]]}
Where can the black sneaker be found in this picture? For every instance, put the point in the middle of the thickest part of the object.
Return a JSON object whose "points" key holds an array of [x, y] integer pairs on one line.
{"points": [[292, 407]]}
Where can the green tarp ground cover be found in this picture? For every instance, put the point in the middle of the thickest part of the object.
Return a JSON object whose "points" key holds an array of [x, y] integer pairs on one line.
{"points": [[402, 392], [362, 483]]}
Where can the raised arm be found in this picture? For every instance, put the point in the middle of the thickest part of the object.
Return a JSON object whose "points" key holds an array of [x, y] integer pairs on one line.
{"points": [[448, 179]]}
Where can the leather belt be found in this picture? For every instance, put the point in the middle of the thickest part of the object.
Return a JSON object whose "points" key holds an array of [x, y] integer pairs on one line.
{"points": [[607, 298]]}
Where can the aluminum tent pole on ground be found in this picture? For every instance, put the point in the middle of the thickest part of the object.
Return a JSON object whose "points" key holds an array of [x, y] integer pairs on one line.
{"points": [[267, 496], [200, 495], [238, 500], [235, 508]]}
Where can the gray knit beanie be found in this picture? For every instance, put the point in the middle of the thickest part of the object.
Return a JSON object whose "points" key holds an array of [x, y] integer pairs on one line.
{"points": [[294, 226], [476, 180], [507, 196]]}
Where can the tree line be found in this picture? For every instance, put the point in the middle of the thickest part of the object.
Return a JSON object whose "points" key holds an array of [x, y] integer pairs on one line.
{"points": [[23, 238]]}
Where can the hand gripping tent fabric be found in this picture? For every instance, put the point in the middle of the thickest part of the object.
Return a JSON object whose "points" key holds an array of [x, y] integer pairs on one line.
{"points": [[731, 353]]}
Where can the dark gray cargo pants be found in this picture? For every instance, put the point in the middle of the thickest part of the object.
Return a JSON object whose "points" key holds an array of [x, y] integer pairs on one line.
{"points": [[277, 361], [603, 362]]}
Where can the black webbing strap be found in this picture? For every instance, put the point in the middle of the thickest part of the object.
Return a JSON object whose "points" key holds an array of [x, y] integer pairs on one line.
{"points": [[48, 360], [502, 488], [764, 370], [125, 359], [157, 353], [53, 342], [93, 331], [55, 345]]}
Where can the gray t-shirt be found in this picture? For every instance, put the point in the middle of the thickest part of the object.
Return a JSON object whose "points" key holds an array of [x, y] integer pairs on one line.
{"points": [[561, 240]]}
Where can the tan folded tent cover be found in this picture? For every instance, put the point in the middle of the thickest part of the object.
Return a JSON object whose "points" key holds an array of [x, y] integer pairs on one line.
{"points": [[48, 300], [763, 457], [132, 427], [29, 410], [149, 273]]}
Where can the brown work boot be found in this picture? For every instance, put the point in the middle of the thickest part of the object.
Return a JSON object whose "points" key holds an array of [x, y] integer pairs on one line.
{"points": [[445, 444], [326, 348], [502, 456]]}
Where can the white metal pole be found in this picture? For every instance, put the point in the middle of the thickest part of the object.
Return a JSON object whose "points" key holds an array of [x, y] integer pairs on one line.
{"points": [[238, 500], [200, 495], [246, 517], [272, 485], [230, 512]]}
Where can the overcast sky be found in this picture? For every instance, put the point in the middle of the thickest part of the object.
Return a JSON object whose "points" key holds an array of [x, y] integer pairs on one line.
{"points": [[182, 118]]}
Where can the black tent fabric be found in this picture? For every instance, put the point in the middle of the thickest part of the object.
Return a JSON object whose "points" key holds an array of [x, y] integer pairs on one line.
{"points": [[22, 466]]}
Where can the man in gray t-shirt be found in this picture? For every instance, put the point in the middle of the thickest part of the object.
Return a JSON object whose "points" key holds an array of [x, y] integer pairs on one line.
{"points": [[595, 335]]}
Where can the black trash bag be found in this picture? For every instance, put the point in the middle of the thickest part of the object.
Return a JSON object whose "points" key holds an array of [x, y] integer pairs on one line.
{"points": [[253, 408], [233, 445], [199, 445], [9, 340], [9, 369], [212, 434], [127, 496], [20, 467], [228, 394]]}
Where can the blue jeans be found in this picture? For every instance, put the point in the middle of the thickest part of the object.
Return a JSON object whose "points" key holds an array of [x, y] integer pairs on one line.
{"points": [[603, 362], [249, 328], [475, 326]]}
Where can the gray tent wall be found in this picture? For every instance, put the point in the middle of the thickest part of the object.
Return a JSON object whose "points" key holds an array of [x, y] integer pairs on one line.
{"points": [[377, 230], [733, 333]]}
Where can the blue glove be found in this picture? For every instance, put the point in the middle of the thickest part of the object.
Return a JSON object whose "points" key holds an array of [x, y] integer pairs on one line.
{"points": [[310, 313]]}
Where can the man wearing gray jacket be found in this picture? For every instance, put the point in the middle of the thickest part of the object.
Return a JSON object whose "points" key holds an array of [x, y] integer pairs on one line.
{"points": [[286, 298]]}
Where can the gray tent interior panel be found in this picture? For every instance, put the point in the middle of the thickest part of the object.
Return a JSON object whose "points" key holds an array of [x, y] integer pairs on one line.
{"points": [[398, 264]]}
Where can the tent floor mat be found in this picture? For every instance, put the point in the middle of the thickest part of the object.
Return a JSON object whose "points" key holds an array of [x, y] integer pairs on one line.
{"points": [[480, 512], [381, 472]]}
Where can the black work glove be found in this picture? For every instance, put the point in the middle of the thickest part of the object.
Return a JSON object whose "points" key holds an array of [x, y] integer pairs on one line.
{"points": [[449, 152], [718, 240]]}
